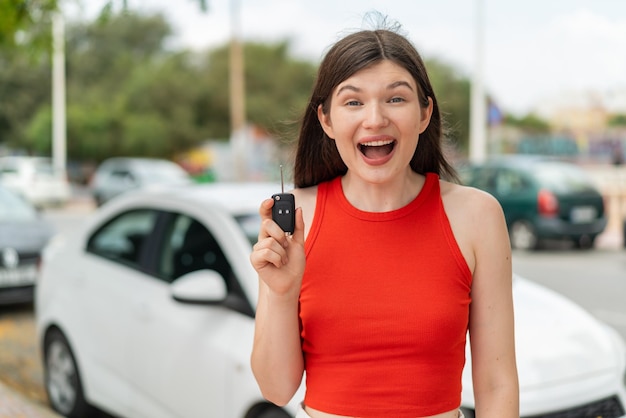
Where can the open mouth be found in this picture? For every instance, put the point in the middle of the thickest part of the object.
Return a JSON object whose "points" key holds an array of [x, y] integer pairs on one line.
{"points": [[377, 149]]}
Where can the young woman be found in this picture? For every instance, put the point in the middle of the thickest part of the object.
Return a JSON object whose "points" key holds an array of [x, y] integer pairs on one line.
{"points": [[390, 264]]}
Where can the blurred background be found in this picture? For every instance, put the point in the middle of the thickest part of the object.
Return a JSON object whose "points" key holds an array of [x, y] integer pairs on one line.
{"points": [[218, 86], [103, 91]]}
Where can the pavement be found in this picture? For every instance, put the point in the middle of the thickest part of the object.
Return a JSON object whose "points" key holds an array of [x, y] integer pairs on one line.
{"points": [[15, 405]]}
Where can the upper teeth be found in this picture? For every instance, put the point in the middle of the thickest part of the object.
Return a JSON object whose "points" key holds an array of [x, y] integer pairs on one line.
{"points": [[377, 143]]}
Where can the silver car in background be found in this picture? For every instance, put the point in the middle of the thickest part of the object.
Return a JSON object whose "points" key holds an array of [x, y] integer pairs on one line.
{"points": [[23, 236], [118, 175], [35, 179]]}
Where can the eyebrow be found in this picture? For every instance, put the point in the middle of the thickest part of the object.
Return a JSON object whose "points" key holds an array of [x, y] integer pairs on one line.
{"points": [[391, 86]]}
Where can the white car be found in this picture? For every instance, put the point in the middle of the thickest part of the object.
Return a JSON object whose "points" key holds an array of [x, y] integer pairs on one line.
{"points": [[35, 179], [148, 311]]}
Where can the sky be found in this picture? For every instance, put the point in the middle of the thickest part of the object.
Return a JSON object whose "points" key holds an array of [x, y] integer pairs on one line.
{"points": [[533, 51]]}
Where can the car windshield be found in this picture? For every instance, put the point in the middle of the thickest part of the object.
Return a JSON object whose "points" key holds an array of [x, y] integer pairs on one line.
{"points": [[563, 177], [13, 208]]}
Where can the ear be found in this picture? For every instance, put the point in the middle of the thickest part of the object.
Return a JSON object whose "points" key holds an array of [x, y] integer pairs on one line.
{"points": [[325, 122], [426, 113]]}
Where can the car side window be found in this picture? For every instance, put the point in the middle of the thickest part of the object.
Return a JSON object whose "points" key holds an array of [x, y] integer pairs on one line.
{"points": [[188, 247], [8, 169], [123, 176], [124, 238], [484, 179], [509, 182]]}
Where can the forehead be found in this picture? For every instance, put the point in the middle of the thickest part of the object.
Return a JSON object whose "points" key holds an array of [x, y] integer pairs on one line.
{"points": [[382, 72]]}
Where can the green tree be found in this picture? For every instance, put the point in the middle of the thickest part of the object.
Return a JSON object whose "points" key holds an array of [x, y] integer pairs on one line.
{"points": [[24, 86], [618, 120], [26, 23], [277, 88], [141, 95], [530, 123], [453, 96], [21, 20], [128, 94]]}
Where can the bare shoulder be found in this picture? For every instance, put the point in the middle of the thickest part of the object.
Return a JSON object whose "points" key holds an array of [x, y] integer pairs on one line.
{"points": [[305, 197], [467, 200], [476, 219]]}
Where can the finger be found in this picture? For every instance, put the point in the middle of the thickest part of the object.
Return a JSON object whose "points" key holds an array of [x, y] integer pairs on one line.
{"points": [[264, 258], [270, 229], [298, 233], [269, 251], [266, 208]]}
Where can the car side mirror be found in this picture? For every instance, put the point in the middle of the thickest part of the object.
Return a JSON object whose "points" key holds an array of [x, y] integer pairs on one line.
{"points": [[200, 287]]}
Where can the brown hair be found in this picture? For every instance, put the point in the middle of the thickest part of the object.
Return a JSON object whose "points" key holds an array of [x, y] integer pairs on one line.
{"points": [[317, 158]]}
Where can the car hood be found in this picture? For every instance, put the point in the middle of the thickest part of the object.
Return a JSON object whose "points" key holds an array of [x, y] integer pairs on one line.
{"points": [[25, 236], [556, 340]]}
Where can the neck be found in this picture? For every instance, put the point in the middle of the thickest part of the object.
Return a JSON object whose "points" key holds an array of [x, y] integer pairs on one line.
{"points": [[384, 196]]}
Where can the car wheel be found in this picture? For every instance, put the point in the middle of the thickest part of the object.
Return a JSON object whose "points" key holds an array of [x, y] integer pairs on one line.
{"points": [[585, 242], [272, 412], [523, 236], [62, 380]]}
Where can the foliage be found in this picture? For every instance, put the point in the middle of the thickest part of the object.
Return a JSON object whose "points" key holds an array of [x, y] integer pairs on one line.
{"points": [[24, 87], [277, 87], [453, 96], [618, 120], [130, 93], [529, 123], [26, 23]]}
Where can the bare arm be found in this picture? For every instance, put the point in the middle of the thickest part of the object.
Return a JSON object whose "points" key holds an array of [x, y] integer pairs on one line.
{"points": [[277, 360], [492, 340]]}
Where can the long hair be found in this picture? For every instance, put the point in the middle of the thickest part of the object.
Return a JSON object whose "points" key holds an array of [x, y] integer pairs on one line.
{"points": [[317, 159]]}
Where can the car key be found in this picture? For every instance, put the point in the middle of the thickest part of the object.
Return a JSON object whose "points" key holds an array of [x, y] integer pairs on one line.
{"points": [[284, 209]]}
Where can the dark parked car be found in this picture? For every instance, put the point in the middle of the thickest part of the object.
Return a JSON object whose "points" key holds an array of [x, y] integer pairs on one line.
{"points": [[542, 199], [23, 236]]}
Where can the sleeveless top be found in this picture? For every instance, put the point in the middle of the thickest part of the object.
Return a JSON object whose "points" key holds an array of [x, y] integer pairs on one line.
{"points": [[384, 308]]}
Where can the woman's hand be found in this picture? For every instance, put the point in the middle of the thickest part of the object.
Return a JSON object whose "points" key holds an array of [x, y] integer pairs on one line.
{"points": [[276, 360], [279, 258]]}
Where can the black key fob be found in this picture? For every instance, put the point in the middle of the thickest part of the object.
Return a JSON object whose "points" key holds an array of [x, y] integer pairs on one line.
{"points": [[284, 211]]}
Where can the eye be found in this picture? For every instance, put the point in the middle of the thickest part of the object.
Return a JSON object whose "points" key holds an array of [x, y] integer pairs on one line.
{"points": [[397, 100], [353, 103]]}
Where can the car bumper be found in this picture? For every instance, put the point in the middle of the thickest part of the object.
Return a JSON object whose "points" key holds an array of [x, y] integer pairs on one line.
{"points": [[16, 295], [588, 398], [557, 228]]}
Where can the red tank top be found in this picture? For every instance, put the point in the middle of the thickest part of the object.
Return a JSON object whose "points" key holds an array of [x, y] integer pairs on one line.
{"points": [[384, 308]]}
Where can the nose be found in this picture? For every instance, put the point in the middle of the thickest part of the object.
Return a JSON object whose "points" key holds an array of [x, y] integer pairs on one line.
{"points": [[375, 116]]}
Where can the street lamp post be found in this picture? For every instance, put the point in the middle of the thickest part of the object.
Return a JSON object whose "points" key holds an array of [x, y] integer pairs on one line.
{"points": [[478, 105], [59, 134], [237, 96]]}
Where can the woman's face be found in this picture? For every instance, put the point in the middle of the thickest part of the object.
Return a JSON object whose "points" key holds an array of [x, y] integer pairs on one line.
{"points": [[375, 119]]}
